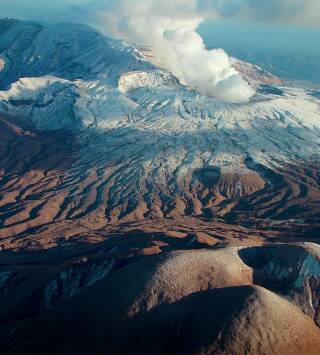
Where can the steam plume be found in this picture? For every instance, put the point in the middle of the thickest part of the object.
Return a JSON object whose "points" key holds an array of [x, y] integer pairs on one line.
{"points": [[170, 27]]}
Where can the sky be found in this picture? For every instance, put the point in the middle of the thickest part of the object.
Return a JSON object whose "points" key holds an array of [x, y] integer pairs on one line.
{"points": [[290, 51], [261, 35], [283, 12]]}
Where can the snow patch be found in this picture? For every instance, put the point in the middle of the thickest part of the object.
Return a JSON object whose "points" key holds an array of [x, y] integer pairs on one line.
{"points": [[4, 276], [310, 267], [2, 64], [140, 79]]}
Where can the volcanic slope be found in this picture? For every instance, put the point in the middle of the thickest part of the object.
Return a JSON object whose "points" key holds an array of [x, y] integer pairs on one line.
{"points": [[92, 131]]}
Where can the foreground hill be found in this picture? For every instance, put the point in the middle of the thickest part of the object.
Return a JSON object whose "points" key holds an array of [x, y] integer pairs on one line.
{"points": [[254, 300]]}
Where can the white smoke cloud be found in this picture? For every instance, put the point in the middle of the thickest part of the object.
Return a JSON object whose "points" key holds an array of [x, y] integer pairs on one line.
{"points": [[169, 27], [209, 72]]}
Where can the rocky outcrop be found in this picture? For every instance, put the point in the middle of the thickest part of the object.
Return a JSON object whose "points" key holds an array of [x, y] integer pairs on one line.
{"points": [[254, 75], [294, 271], [73, 280]]}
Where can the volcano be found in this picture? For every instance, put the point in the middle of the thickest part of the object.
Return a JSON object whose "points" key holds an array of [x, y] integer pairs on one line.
{"points": [[130, 201]]}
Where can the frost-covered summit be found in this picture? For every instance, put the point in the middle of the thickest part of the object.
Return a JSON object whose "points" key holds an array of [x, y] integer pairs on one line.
{"points": [[70, 76]]}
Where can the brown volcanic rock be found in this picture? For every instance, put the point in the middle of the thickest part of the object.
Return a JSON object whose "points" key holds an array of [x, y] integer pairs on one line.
{"points": [[32, 168], [230, 183], [253, 73], [234, 320], [235, 185], [45, 183]]}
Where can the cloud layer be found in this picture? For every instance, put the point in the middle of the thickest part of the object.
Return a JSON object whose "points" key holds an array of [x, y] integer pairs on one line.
{"points": [[301, 12]]}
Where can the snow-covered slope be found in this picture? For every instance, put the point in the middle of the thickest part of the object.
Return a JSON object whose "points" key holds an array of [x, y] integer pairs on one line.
{"points": [[147, 145], [64, 50]]}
